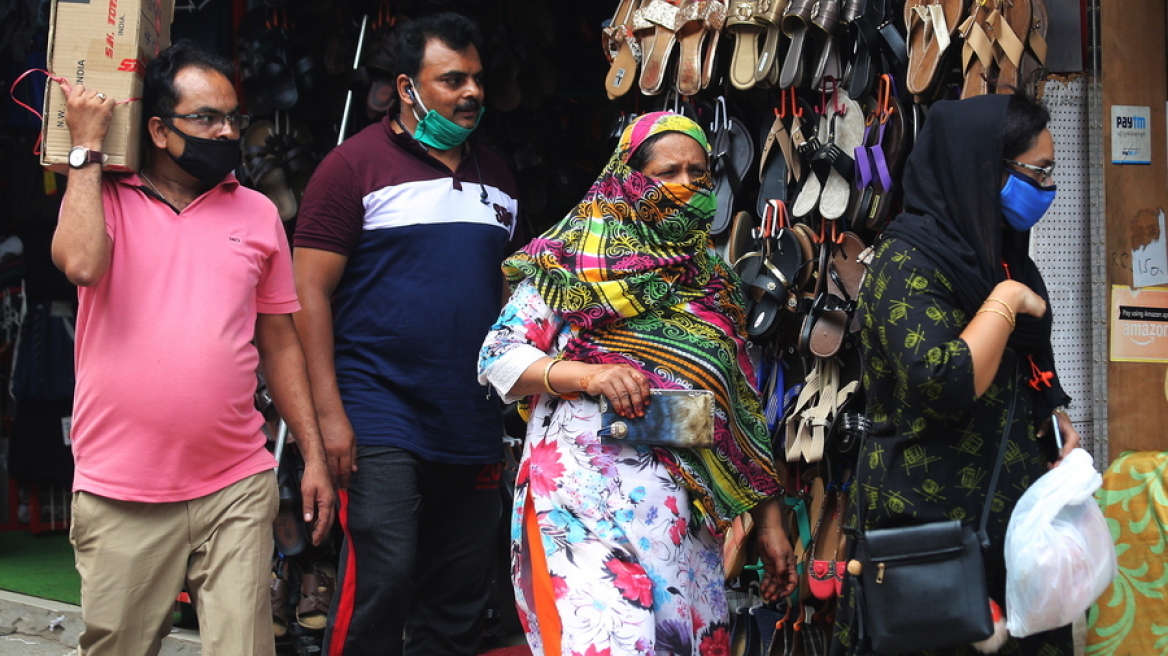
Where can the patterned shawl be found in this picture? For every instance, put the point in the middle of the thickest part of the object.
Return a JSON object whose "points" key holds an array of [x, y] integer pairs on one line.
{"points": [[631, 270]]}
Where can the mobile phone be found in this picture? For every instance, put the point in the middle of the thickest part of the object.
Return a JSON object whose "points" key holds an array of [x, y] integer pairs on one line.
{"points": [[1057, 432]]}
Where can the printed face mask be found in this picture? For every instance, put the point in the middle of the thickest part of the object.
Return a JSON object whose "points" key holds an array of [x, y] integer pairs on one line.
{"points": [[1024, 201], [437, 131], [208, 160]]}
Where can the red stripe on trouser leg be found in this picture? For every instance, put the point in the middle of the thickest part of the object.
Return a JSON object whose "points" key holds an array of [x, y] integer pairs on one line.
{"points": [[348, 591]]}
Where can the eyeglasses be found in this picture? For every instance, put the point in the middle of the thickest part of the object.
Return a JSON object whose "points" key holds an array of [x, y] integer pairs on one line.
{"points": [[1044, 172], [215, 121]]}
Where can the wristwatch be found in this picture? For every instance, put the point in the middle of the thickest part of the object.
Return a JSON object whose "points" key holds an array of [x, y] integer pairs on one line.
{"points": [[79, 156]]}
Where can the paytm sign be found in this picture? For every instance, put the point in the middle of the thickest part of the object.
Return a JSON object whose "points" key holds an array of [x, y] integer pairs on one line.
{"points": [[1131, 134]]}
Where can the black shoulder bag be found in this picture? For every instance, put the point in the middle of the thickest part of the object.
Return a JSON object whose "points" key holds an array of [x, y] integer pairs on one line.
{"points": [[924, 587]]}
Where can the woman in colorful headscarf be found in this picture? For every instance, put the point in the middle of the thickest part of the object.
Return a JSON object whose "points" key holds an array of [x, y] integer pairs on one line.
{"points": [[617, 549], [955, 324]]}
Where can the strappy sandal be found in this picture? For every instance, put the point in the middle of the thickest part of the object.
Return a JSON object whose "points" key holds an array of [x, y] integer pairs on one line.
{"points": [[828, 534], [832, 310], [1011, 28], [768, 273], [977, 53], [931, 25], [317, 586], [622, 50], [280, 595], [832, 166]]}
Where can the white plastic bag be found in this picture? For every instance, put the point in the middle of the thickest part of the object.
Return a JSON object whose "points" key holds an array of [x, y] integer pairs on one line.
{"points": [[1059, 553]]}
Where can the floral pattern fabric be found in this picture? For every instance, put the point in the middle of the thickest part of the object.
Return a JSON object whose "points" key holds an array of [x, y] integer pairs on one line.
{"points": [[934, 445], [635, 571], [1131, 616]]}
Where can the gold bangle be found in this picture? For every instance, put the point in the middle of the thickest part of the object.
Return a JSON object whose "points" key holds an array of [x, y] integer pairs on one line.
{"points": [[999, 313], [547, 384], [1061, 411], [1005, 305]]}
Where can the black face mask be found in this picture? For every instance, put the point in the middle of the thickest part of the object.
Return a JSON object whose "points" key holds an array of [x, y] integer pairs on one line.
{"points": [[208, 160]]}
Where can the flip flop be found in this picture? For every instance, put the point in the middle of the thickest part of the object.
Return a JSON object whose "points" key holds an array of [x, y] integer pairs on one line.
{"points": [[889, 153], [977, 53], [931, 24], [621, 49], [742, 25], [773, 172], [701, 20], [742, 239], [733, 152], [845, 131]]}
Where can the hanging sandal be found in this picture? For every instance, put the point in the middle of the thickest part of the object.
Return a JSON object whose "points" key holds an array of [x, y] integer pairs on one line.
{"points": [[622, 50], [1011, 27], [1034, 60], [661, 19], [977, 52], [931, 24], [742, 25], [701, 23]]}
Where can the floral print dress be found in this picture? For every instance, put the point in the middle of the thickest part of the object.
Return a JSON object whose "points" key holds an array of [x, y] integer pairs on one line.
{"points": [[633, 568]]}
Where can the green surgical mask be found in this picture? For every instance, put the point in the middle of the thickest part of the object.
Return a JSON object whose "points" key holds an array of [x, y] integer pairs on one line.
{"points": [[437, 131]]}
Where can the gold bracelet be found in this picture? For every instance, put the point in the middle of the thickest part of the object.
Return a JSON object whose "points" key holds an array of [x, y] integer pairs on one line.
{"points": [[1005, 305], [547, 384], [999, 313], [1061, 411]]}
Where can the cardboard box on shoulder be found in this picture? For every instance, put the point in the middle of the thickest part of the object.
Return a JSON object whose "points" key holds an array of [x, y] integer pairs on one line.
{"points": [[105, 45]]}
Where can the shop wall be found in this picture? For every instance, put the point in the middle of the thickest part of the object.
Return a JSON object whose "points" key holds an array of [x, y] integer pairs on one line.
{"points": [[1134, 74]]}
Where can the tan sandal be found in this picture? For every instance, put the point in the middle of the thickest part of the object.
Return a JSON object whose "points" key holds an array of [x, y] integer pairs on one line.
{"points": [[977, 53], [622, 50], [931, 25], [1011, 25]]}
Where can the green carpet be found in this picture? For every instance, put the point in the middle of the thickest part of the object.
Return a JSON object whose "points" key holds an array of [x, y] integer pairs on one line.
{"points": [[39, 566]]}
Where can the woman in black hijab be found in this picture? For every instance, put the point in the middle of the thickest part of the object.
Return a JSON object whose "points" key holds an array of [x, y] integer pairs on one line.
{"points": [[955, 323]]}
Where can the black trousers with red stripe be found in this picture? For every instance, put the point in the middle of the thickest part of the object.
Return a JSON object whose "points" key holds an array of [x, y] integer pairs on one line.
{"points": [[418, 557]]}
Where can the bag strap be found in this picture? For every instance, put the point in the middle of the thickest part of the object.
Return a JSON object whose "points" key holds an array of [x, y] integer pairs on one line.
{"points": [[983, 537]]}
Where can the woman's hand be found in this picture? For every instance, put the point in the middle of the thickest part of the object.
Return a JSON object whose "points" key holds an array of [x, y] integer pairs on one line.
{"points": [[1067, 431], [1021, 299], [623, 385], [774, 548]]}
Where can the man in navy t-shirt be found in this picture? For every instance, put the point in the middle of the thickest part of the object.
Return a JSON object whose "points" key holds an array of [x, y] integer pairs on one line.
{"points": [[397, 252]]}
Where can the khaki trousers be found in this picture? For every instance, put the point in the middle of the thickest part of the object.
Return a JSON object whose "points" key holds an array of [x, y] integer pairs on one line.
{"points": [[134, 558]]}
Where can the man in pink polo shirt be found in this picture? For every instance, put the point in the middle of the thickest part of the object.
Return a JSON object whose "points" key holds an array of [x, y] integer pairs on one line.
{"points": [[185, 289]]}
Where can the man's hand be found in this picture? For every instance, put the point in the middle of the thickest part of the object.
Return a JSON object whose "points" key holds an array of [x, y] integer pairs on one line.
{"points": [[318, 500], [340, 447], [87, 115]]}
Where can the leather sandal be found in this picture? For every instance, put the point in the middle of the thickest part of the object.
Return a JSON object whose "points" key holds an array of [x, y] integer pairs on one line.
{"points": [[622, 50], [1011, 29], [1034, 60], [280, 595], [773, 171], [931, 25], [317, 586], [977, 53]]}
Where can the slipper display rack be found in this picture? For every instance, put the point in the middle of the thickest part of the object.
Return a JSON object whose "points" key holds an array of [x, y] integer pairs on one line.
{"points": [[812, 107]]}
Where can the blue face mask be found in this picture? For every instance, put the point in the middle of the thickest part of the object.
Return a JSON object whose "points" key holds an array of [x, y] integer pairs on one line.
{"points": [[437, 131], [1024, 201]]}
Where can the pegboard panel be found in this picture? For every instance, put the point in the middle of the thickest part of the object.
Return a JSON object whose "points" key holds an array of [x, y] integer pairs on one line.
{"points": [[1061, 246]]}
